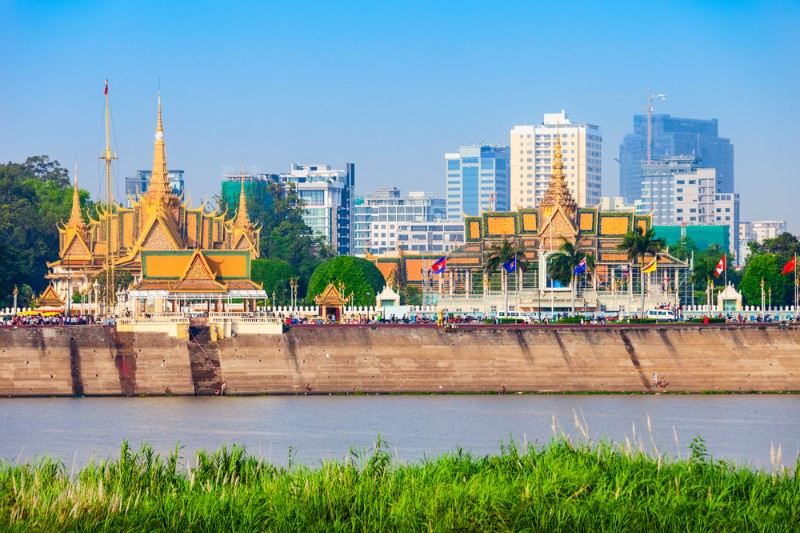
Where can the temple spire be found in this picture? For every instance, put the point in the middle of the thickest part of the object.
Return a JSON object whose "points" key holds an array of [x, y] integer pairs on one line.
{"points": [[558, 193], [242, 218], [75, 218], [159, 182]]}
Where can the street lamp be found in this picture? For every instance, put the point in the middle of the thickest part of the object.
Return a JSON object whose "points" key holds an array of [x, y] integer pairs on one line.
{"points": [[770, 297], [273, 301]]}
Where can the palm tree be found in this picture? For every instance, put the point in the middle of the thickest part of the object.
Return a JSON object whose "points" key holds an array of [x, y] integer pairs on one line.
{"points": [[565, 261], [503, 253], [639, 243]]}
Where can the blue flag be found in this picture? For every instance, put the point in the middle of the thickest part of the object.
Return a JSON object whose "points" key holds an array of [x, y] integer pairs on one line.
{"points": [[511, 266], [581, 268], [440, 265]]}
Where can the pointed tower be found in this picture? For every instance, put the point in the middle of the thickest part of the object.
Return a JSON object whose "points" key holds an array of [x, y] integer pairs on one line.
{"points": [[75, 217], [558, 194], [244, 235], [160, 215], [159, 183], [73, 236]]}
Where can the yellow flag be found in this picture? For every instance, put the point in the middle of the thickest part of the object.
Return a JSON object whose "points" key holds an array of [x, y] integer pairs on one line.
{"points": [[650, 267]]}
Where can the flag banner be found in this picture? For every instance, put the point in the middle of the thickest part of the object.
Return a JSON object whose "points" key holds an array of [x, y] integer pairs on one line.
{"points": [[105, 91], [510, 266], [720, 268], [650, 267], [439, 266], [790, 266], [581, 267]]}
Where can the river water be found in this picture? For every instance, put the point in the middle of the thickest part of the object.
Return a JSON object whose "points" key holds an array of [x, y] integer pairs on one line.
{"points": [[313, 428]]}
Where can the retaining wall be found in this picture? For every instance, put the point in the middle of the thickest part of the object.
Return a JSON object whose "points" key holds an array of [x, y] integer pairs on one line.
{"points": [[91, 360]]}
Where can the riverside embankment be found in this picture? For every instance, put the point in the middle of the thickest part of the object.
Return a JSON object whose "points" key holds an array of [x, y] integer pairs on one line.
{"points": [[91, 360]]}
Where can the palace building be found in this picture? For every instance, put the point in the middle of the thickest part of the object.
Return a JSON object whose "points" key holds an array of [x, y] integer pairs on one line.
{"points": [[465, 286], [174, 252]]}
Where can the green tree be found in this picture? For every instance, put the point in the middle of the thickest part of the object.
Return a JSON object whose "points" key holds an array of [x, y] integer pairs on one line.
{"points": [[784, 246], [684, 249], [357, 276], [565, 261], [768, 268], [500, 254], [284, 234], [638, 244], [34, 197], [275, 275], [122, 281]]}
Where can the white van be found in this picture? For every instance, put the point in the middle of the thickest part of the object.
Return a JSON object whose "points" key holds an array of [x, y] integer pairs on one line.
{"points": [[515, 315], [661, 314]]}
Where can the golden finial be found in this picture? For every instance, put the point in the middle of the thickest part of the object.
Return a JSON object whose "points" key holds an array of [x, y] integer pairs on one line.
{"points": [[75, 218], [159, 182], [242, 218], [558, 193]]}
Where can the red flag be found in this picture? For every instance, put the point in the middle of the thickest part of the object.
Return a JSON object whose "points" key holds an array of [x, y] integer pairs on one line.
{"points": [[789, 267], [105, 91], [720, 268]]}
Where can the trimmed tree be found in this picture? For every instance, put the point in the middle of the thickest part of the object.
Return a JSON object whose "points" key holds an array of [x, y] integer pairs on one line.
{"points": [[358, 276]]}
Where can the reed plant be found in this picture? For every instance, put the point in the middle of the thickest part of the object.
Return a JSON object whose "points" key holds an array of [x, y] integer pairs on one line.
{"points": [[559, 486]]}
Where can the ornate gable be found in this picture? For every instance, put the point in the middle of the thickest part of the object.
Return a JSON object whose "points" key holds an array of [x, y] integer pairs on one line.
{"points": [[198, 269], [159, 237], [330, 297], [50, 298], [76, 248]]}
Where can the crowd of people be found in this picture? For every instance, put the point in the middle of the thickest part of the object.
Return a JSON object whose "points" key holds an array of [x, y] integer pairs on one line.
{"points": [[47, 320]]}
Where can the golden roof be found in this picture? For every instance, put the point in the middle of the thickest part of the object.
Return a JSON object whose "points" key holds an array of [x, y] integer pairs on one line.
{"points": [[558, 194]]}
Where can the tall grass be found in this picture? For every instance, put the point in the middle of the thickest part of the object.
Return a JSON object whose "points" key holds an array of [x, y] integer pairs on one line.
{"points": [[561, 486]]}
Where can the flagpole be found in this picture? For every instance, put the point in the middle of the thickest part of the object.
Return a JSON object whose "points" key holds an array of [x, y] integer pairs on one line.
{"points": [[726, 271]]}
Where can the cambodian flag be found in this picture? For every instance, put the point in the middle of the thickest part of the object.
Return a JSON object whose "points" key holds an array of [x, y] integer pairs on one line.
{"points": [[440, 265], [510, 266], [581, 268]]}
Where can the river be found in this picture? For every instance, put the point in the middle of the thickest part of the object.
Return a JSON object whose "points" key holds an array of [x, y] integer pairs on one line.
{"points": [[740, 428]]}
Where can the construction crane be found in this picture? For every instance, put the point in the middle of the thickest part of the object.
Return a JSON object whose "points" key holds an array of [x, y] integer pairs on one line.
{"points": [[649, 109], [650, 97]]}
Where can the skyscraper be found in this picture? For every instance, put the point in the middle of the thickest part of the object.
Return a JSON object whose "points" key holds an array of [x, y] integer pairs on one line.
{"points": [[477, 180], [384, 220], [532, 158], [327, 196], [672, 136]]}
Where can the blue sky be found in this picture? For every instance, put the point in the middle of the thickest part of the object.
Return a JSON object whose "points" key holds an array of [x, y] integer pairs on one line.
{"points": [[392, 86]]}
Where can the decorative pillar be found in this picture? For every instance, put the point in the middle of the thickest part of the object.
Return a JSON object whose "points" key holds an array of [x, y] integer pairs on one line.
{"points": [[450, 281]]}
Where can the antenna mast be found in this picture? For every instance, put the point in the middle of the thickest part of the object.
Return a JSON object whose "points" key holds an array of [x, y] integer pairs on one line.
{"points": [[108, 157], [650, 97]]}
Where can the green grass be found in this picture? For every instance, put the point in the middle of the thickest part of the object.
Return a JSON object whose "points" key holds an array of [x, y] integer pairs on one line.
{"points": [[561, 486]]}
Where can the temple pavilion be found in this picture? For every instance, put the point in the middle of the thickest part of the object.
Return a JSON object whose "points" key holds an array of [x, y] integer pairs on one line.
{"points": [[175, 253], [537, 233]]}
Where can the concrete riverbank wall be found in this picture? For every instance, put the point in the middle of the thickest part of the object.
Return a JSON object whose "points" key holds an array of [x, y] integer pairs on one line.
{"points": [[78, 361]]}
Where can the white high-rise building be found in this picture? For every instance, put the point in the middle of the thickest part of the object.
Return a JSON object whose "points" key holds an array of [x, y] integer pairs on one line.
{"points": [[327, 195], [697, 203], [386, 220], [768, 229], [531, 160]]}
